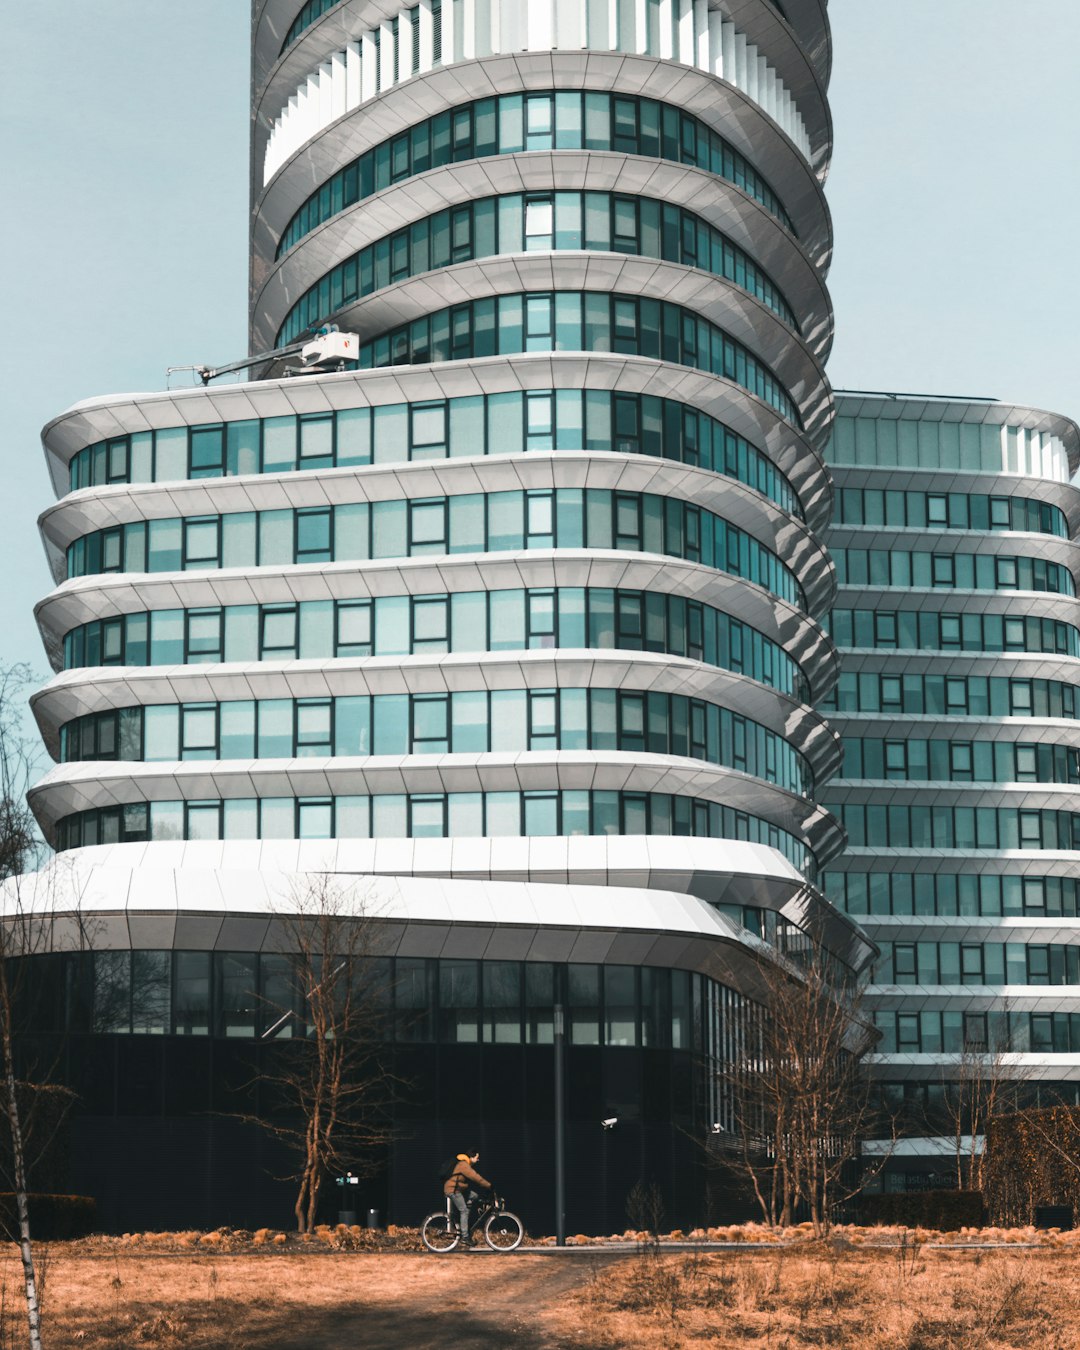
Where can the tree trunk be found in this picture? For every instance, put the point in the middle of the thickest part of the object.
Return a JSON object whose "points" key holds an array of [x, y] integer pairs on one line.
{"points": [[11, 1108]]}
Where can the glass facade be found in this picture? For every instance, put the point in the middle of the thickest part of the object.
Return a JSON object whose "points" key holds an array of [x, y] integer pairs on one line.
{"points": [[309, 13], [428, 815], [494, 424], [492, 522], [956, 1033], [954, 695], [973, 893], [960, 571], [537, 222], [241, 995], [883, 825], [975, 446], [961, 631], [465, 721], [417, 40], [958, 797], [981, 963], [463, 621], [322, 639], [563, 119], [564, 321], [907, 509], [913, 758]]}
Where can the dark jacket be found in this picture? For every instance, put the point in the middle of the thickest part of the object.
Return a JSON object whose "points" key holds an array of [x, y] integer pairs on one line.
{"points": [[463, 1176]]}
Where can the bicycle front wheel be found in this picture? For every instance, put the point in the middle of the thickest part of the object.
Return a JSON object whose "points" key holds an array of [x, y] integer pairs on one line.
{"points": [[439, 1233], [504, 1231]]}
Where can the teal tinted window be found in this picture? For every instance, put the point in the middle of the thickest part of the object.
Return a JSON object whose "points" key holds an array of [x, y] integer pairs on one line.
{"points": [[568, 119], [467, 721], [517, 223], [587, 321], [467, 621], [309, 12], [490, 814], [511, 423], [466, 524]]}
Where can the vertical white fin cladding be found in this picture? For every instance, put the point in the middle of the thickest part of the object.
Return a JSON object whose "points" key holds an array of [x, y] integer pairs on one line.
{"points": [[324, 105], [339, 85], [541, 34], [680, 30], [685, 25], [405, 43], [701, 34], [468, 30], [386, 56], [427, 36], [571, 25], [612, 40], [721, 47], [369, 56], [352, 75], [667, 50]]}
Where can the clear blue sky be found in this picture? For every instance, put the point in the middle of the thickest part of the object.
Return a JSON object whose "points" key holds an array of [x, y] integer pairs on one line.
{"points": [[955, 192]]}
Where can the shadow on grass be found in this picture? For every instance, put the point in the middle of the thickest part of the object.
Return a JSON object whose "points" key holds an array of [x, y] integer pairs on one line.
{"points": [[197, 1325]]}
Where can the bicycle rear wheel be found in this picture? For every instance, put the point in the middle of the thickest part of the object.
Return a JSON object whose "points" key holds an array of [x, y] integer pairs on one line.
{"points": [[503, 1231], [439, 1233]]}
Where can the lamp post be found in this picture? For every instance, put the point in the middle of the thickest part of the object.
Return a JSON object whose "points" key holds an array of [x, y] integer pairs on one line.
{"points": [[560, 1125]]}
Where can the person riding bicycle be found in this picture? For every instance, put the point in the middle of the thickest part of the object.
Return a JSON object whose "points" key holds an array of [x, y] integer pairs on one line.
{"points": [[459, 1187]]}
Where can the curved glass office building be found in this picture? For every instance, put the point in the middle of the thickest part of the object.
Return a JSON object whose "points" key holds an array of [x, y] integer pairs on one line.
{"points": [[515, 623], [954, 537]]}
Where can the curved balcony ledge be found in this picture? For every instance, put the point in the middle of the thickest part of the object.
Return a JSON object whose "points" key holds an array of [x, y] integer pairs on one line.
{"points": [[954, 543], [905, 599], [98, 689], [838, 933], [738, 313], [1025, 487], [950, 928], [809, 21], [1016, 861], [1022, 665], [203, 896], [736, 503], [1030, 730], [283, 95], [1008, 543], [107, 596], [913, 408], [944, 793], [1031, 1067], [719, 105], [721, 204], [68, 788], [743, 412]]}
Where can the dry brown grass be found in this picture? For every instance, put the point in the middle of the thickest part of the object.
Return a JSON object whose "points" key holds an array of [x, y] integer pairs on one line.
{"points": [[835, 1295], [310, 1297]]}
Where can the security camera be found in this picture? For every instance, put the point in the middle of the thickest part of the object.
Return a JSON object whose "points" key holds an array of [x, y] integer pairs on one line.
{"points": [[610, 1123]]}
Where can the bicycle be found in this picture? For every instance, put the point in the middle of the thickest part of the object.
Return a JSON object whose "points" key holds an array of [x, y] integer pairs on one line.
{"points": [[502, 1230]]}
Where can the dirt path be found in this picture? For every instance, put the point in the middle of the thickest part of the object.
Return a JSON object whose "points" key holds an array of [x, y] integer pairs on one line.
{"points": [[318, 1302]]}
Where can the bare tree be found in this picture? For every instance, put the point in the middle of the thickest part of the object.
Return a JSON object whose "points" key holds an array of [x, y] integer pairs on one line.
{"points": [[325, 1081], [25, 931], [797, 1099], [981, 1088]]}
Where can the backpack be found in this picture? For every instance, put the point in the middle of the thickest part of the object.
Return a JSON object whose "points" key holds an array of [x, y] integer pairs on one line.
{"points": [[446, 1168]]}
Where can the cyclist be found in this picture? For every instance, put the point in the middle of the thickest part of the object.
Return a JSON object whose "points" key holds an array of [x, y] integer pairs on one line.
{"points": [[459, 1186]]}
